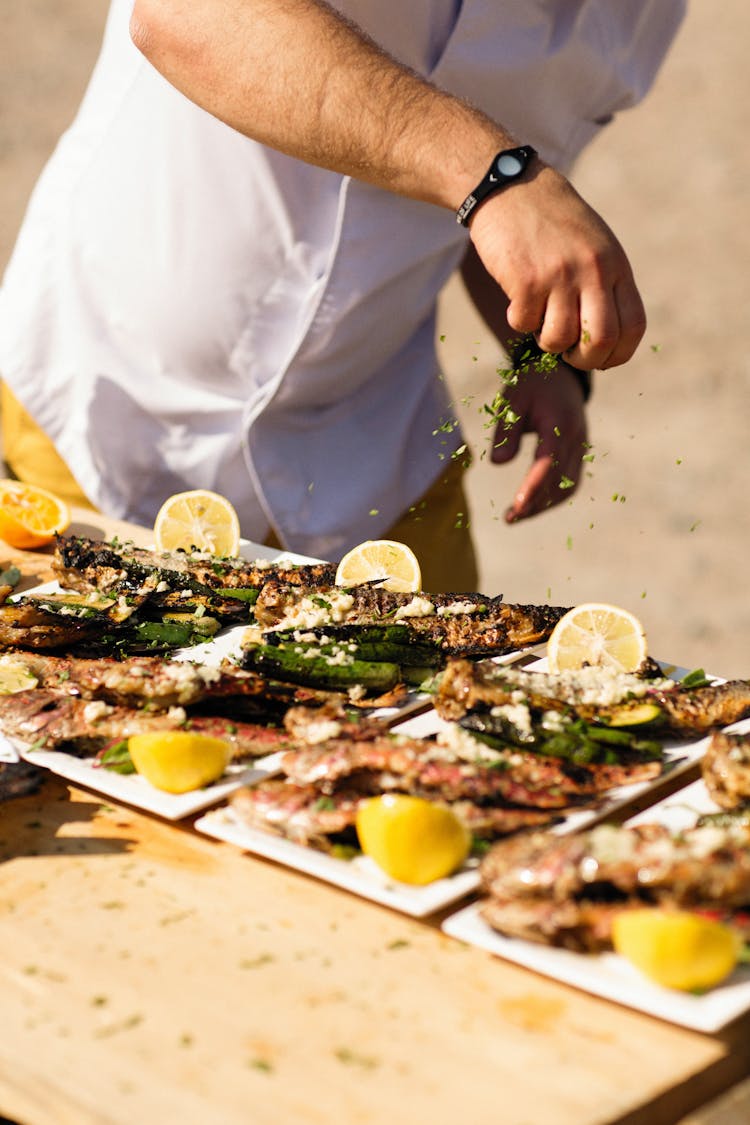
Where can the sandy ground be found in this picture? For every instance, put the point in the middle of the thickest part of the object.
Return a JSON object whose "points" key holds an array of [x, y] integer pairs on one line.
{"points": [[661, 524]]}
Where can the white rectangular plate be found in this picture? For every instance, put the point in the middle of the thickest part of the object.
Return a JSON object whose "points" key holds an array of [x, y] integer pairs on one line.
{"points": [[132, 789], [359, 875], [608, 975]]}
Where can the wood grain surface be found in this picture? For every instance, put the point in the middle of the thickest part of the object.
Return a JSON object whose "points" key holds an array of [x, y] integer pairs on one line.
{"points": [[152, 975]]}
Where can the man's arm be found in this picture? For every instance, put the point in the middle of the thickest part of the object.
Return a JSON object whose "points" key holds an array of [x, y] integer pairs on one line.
{"points": [[548, 403], [295, 75]]}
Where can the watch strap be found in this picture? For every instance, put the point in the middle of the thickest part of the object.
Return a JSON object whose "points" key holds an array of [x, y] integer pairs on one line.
{"points": [[494, 179]]}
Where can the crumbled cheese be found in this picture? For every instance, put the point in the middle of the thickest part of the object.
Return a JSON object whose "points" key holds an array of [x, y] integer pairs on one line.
{"points": [[95, 710], [417, 607], [517, 714], [461, 744], [455, 608], [554, 721], [321, 730], [313, 612], [595, 685]]}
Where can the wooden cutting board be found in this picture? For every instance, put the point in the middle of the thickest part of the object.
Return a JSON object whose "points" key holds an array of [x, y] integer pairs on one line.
{"points": [[152, 975]]}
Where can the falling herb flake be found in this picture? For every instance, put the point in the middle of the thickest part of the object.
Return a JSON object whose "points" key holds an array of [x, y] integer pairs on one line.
{"points": [[655, 348], [374, 511], [566, 482], [345, 1055], [695, 525], [569, 543], [256, 962], [261, 1064], [399, 943]]}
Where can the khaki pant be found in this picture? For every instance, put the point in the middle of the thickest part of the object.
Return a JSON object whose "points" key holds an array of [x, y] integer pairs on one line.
{"points": [[436, 528]]}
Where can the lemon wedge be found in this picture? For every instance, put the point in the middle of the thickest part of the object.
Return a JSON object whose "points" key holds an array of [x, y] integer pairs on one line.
{"points": [[197, 520], [393, 565], [412, 839], [675, 948], [597, 634], [15, 676], [178, 761], [30, 517]]}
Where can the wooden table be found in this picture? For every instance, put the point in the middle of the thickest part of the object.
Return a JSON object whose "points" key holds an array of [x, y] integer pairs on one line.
{"points": [[151, 975]]}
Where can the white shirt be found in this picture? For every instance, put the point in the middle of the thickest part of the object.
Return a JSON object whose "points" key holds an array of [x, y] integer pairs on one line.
{"points": [[186, 308]]}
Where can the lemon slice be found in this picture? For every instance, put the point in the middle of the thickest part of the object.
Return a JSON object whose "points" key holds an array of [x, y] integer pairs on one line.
{"points": [[15, 676], [412, 839], [179, 760], [197, 520], [29, 516], [597, 634], [393, 565], [675, 948]]}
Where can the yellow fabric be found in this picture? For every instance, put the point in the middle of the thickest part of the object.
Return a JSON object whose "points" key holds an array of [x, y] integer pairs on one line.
{"points": [[31, 456], [436, 528]]}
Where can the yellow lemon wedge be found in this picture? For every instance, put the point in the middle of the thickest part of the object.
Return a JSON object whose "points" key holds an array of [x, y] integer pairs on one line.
{"points": [[394, 566], [30, 517], [597, 634], [15, 676], [412, 839], [197, 520], [675, 948], [179, 760]]}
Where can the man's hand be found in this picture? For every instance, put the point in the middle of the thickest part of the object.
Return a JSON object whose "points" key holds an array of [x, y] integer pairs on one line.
{"points": [[299, 77], [566, 276], [549, 404]]}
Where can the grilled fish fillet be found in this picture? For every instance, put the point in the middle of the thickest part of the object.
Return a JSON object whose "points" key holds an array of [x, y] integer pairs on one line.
{"points": [[48, 721], [697, 865], [726, 769], [90, 564], [305, 815], [159, 683], [520, 777], [469, 624], [567, 891], [683, 712]]}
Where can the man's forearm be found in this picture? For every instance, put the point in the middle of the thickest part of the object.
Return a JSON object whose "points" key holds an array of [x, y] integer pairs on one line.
{"points": [[296, 76]]}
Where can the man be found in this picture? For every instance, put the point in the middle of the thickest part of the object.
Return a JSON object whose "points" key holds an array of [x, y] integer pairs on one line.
{"points": [[241, 296]]}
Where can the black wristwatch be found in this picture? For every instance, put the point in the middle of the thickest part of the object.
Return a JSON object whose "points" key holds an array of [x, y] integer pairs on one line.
{"points": [[506, 167], [525, 352]]}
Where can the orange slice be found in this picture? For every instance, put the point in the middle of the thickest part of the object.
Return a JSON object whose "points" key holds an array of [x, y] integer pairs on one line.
{"points": [[30, 516]]}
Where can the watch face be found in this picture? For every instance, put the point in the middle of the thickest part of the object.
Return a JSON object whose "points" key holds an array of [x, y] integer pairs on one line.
{"points": [[509, 165]]}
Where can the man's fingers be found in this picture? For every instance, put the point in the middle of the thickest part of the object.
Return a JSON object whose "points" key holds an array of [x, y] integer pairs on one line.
{"points": [[527, 498], [506, 440], [632, 322], [560, 329]]}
